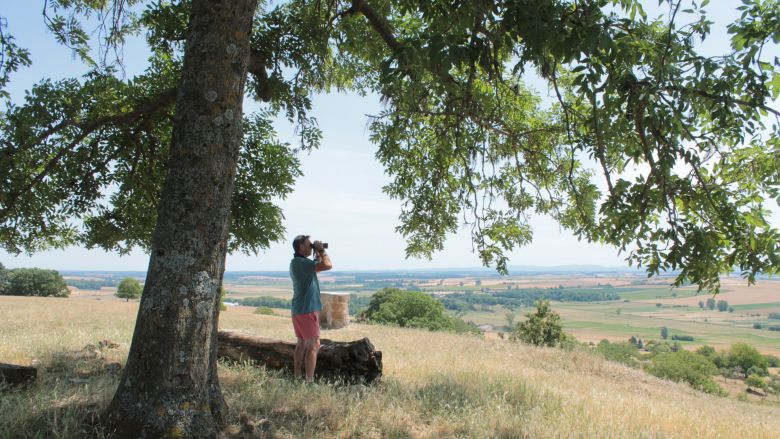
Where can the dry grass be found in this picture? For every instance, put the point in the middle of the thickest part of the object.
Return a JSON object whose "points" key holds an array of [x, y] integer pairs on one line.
{"points": [[435, 385]]}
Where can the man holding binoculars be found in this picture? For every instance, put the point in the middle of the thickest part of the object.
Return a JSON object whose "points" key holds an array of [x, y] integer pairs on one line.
{"points": [[306, 304]]}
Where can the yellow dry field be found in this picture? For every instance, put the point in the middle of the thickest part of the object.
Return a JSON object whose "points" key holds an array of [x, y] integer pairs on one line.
{"points": [[104, 293], [435, 385], [734, 291]]}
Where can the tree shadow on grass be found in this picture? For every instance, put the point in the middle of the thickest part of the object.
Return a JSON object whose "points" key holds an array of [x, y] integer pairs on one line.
{"points": [[68, 397]]}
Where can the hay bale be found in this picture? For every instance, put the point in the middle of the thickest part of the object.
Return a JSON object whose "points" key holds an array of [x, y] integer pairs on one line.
{"points": [[335, 310]]}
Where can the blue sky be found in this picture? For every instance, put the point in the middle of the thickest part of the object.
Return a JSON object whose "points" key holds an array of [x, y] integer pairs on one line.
{"points": [[339, 199]]}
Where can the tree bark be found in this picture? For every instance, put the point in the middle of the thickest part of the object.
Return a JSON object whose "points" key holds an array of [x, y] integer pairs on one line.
{"points": [[169, 387], [17, 376], [354, 361]]}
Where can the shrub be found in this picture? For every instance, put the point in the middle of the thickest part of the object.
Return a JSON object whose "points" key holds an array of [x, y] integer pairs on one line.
{"points": [[658, 348], [462, 327], [222, 294], [774, 315], [664, 332], [625, 353], [772, 360], [36, 282], [542, 328], [269, 301], [701, 304], [723, 306], [757, 326], [129, 288], [773, 328], [265, 310], [744, 356], [711, 303], [755, 370], [774, 383], [4, 273], [682, 337], [684, 366], [412, 309], [706, 351]]}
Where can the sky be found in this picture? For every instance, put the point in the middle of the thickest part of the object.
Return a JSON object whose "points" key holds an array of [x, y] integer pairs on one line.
{"points": [[339, 199]]}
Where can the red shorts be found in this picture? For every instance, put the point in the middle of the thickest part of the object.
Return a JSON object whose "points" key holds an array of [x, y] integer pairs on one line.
{"points": [[307, 326]]}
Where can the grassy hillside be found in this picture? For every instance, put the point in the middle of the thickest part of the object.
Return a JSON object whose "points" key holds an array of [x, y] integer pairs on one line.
{"points": [[435, 385]]}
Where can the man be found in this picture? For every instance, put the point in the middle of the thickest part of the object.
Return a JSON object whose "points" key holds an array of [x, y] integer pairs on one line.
{"points": [[306, 304]]}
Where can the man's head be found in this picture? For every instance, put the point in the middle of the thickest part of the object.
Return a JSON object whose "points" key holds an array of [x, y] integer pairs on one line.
{"points": [[302, 245]]}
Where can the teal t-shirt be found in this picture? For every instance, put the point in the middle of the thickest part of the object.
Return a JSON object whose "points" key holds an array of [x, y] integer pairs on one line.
{"points": [[306, 287]]}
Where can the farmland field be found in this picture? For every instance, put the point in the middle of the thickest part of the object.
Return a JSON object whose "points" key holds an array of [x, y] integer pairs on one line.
{"points": [[643, 308]]}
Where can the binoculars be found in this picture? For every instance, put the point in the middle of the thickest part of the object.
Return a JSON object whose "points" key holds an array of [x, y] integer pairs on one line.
{"points": [[324, 244]]}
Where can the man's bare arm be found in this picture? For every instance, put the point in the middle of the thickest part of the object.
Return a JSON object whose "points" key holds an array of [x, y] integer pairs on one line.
{"points": [[323, 262]]}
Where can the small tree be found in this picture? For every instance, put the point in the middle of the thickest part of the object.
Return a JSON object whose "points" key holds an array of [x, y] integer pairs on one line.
{"points": [[710, 303], [542, 328], [129, 288], [664, 332], [723, 306], [701, 304], [36, 282]]}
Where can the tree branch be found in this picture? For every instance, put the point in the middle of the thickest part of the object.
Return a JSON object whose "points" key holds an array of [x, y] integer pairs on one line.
{"points": [[378, 23], [154, 105], [723, 100]]}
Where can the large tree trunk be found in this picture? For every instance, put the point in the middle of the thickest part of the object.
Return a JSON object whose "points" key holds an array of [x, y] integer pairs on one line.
{"points": [[169, 387], [352, 361]]}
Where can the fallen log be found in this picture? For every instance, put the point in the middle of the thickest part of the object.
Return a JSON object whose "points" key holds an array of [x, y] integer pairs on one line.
{"points": [[17, 376], [354, 361]]}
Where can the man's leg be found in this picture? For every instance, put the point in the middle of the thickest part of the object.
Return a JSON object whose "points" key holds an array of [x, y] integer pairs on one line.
{"points": [[312, 346], [300, 351]]}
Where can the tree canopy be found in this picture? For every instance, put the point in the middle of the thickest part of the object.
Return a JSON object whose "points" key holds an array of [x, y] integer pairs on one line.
{"points": [[685, 145], [35, 282], [128, 288]]}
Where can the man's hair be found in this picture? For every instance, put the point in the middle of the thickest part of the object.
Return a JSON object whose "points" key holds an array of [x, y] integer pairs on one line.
{"points": [[300, 239]]}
